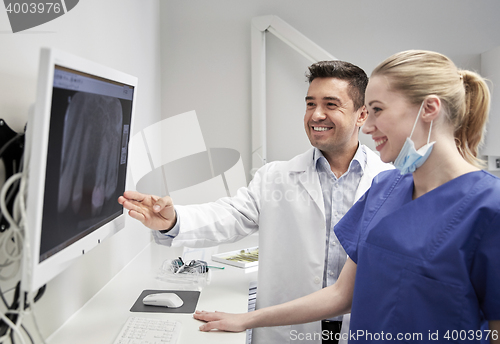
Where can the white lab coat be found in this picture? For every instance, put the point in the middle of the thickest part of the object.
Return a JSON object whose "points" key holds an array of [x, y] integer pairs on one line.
{"points": [[285, 203]]}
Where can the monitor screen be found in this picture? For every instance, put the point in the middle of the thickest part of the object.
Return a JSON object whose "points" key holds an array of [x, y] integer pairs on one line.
{"points": [[86, 157], [78, 153]]}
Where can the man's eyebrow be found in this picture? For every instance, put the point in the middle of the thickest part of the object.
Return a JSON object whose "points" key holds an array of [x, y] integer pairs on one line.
{"points": [[325, 98], [332, 98]]}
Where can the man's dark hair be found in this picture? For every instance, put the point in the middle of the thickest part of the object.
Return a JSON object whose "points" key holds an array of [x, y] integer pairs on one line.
{"points": [[355, 76]]}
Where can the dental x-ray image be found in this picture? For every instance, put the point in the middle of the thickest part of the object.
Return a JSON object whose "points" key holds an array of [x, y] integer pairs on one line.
{"points": [[90, 153]]}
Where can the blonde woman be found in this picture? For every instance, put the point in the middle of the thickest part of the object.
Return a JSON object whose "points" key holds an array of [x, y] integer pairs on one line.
{"points": [[424, 241]]}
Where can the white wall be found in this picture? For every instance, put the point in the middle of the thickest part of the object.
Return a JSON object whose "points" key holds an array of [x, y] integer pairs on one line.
{"points": [[206, 55], [123, 34]]}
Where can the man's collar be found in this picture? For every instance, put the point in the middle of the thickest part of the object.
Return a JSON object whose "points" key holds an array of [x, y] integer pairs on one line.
{"points": [[359, 156]]}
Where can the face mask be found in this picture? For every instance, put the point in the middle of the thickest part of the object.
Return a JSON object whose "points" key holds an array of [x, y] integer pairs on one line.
{"points": [[409, 159]]}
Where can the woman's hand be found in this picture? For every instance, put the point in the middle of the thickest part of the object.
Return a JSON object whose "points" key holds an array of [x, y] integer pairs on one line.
{"points": [[222, 321]]}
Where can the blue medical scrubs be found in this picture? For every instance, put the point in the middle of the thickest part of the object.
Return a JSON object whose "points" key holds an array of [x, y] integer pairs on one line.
{"points": [[428, 270]]}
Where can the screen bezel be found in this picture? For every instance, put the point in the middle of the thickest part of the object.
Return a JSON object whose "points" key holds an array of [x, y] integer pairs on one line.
{"points": [[36, 273]]}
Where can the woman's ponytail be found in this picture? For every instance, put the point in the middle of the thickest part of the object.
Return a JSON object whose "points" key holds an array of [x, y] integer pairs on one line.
{"points": [[470, 131]]}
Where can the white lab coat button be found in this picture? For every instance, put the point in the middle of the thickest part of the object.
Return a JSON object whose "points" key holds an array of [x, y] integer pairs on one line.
{"points": [[317, 280]]}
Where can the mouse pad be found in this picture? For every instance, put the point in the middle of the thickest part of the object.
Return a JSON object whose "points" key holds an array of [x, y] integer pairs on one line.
{"points": [[190, 299]]}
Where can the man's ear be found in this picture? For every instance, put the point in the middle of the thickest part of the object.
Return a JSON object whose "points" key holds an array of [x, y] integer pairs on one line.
{"points": [[432, 108], [362, 116]]}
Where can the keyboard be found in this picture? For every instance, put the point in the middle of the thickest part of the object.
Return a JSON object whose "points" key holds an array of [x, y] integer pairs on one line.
{"points": [[139, 330]]}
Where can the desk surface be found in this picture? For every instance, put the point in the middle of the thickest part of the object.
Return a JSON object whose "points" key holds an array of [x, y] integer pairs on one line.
{"points": [[101, 319]]}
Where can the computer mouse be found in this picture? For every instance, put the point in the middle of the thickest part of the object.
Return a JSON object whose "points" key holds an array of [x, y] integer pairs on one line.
{"points": [[170, 300]]}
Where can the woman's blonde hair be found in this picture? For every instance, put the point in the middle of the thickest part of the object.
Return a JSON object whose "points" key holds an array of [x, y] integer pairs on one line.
{"points": [[464, 94]]}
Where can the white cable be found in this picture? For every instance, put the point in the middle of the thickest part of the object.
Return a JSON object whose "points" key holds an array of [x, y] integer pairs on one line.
{"points": [[14, 234], [3, 195], [27, 251], [22, 208], [13, 255], [6, 264], [16, 212], [13, 273], [6, 240], [14, 327], [9, 277], [12, 242]]}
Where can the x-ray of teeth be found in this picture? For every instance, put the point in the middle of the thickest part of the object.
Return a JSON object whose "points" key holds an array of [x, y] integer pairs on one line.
{"points": [[90, 153]]}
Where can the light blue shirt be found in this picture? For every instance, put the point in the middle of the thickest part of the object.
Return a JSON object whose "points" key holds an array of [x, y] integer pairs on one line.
{"points": [[173, 232], [338, 195]]}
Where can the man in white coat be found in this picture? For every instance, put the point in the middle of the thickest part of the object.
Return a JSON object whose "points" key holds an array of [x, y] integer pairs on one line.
{"points": [[294, 204]]}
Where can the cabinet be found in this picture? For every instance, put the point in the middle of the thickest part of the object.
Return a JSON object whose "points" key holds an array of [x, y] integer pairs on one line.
{"points": [[490, 69]]}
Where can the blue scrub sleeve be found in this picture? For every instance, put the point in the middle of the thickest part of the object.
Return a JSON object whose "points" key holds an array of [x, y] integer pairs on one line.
{"points": [[348, 229], [485, 273]]}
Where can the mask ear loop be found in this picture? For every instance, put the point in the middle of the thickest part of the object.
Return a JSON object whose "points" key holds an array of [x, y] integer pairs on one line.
{"points": [[430, 130], [416, 120]]}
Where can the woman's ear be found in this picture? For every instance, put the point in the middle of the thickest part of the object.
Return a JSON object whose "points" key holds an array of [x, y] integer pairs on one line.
{"points": [[432, 108]]}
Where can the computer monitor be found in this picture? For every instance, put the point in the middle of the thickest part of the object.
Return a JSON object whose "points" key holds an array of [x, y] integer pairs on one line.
{"points": [[77, 146]]}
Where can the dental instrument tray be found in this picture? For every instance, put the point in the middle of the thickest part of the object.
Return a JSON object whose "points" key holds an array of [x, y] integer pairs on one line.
{"points": [[245, 258]]}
